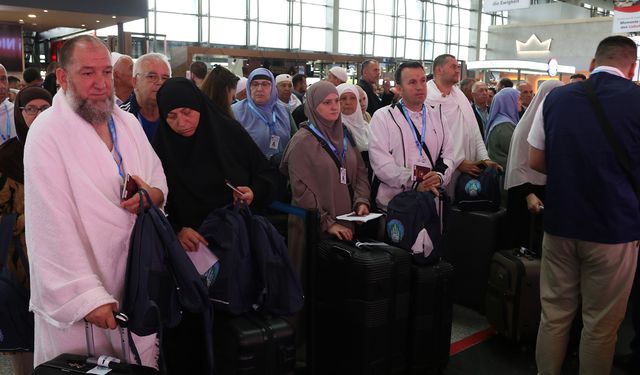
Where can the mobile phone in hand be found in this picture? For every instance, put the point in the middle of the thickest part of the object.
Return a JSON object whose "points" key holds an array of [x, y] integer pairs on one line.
{"points": [[226, 182], [129, 188]]}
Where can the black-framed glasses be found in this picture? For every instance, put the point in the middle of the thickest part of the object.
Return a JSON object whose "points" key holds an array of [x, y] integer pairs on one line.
{"points": [[34, 109], [155, 77]]}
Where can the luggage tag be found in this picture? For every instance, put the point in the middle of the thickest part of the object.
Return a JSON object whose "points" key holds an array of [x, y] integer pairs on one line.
{"points": [[343, 175], [420, 171], [274, 142]]}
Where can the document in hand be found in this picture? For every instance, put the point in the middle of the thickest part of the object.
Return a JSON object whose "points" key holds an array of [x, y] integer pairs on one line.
{"points": [[353, 217]]}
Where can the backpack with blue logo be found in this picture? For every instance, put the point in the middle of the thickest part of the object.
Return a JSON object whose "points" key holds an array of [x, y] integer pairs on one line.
{"points": [[415, 222], [480, 193]]}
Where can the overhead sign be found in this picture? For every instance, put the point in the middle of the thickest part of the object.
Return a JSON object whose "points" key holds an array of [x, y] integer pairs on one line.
{"points": [[498, 5], [11, 55], [626, 17]]}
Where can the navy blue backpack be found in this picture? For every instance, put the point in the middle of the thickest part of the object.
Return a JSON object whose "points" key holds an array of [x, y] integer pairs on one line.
{"points": [[161, 281], [480, 193], [236, 287], [277, 281], [415, 222], [16, 322]]}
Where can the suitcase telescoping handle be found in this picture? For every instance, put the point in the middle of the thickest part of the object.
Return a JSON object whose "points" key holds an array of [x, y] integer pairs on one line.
{"points": [[107, 361]]}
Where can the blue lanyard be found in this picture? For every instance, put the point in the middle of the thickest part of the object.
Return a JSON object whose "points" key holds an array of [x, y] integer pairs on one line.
{"points": [[114, 139], [271, 124], [420, 142], [8, 124], [333, 148]]}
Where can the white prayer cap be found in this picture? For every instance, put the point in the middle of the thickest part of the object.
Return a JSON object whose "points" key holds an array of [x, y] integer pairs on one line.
{"points": [[115, 56], [242, 84], [283, 78], [340, 73]]}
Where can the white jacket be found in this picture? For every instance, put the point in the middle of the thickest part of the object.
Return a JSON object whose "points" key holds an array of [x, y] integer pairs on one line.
{"points": [[393, 151]]}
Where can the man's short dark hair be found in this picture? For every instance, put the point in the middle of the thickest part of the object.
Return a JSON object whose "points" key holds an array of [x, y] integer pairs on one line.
{"points": [[366, 63], [579, 76], [429, 76], [198, 69], [66, 52], [442, 60], [297, 79], [492, 89], [403, 66], [616, 48], [506, 82], [13, 79], [31, 74]]}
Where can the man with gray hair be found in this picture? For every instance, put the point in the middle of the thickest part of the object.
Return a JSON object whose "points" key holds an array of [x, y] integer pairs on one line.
{"points": [[480, 105], [526, 95], [7, 126], [149, 73], [78, 228]]}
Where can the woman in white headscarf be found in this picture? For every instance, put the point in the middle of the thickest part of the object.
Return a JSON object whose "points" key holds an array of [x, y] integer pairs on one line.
{"points": [[364, 102], [352, 115], [525, 187]]}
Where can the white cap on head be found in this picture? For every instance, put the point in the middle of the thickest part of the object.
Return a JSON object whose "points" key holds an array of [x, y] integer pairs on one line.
{"points": [[242, 84], [115, 56], [340, 73], [283, 78]]}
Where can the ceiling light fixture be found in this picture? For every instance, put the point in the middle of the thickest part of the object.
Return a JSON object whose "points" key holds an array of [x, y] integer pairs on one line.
{"points": [[82, 25], [113, 17], [46, 11], [31, 16], [21, 21], [97, 21]]}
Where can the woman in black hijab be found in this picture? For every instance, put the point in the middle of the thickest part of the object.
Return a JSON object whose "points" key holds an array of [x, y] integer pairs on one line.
{"points": [[29, 103], [200, 147]]}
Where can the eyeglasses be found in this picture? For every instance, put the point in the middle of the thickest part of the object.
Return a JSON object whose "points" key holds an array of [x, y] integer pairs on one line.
{"points": [[264, 84], [34, 110], [155, 77]]}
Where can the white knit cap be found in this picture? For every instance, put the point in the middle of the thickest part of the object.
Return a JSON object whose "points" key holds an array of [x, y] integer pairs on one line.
{"points": [[340, 73], [283, 78], [242, 84]]}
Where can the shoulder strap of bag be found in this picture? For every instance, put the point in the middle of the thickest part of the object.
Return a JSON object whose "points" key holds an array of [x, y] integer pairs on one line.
{"points": [[618, 148], [6, 232], [325, 146]]}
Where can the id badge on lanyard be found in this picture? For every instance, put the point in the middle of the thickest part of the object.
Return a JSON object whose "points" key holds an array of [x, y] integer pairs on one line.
{"points": [[274, 142], [343, 175]]}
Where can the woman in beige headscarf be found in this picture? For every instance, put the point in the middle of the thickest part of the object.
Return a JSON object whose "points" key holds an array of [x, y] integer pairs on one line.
{"points": [[332, 179]]}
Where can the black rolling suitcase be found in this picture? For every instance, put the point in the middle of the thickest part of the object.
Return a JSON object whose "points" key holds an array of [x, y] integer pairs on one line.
{"points": [[82, 364], [512, 302], [361, 308], [430, 316], [471, 240], [252, 344]]}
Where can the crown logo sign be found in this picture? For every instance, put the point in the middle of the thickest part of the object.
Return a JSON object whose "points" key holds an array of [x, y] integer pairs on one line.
{"points": [[533, 45]]}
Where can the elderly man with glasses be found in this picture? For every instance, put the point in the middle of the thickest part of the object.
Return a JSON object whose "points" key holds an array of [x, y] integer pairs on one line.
{"points": [[149, 73]]}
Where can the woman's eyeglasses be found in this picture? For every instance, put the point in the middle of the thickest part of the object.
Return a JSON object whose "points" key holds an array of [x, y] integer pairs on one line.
{"points": [[34, 109]]}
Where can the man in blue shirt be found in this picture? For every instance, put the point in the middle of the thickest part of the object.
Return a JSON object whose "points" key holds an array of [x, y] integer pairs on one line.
{"points": [[592, 213], [149, 73]]}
